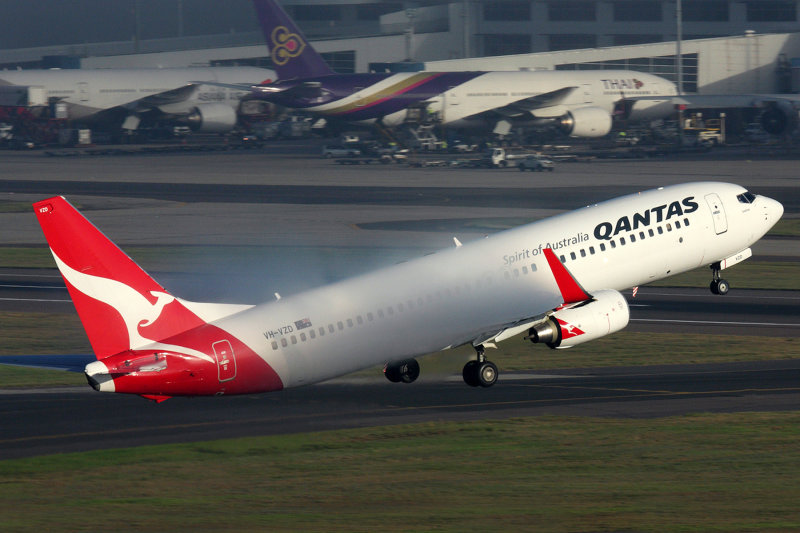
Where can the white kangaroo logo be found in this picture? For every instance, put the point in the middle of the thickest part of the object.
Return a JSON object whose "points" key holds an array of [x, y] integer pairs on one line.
{"points": [[133, 307]]}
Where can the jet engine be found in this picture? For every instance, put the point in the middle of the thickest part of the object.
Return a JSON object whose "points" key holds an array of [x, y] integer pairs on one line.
{"points": [[212, 118], [586, 122], [779, 117], [607, 313]]}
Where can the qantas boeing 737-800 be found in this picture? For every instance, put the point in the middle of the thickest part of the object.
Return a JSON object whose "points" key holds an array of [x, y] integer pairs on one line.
{"points": [[557, 279]]}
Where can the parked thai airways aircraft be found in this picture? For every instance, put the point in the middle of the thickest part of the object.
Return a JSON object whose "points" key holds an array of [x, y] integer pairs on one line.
{"points": [[582, 102], [557, 279], [127, 96]]}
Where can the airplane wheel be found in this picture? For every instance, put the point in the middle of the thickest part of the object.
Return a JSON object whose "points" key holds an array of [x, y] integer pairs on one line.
{"points": [[470, 374], [713, 287], [487, 374], [409, 371], [723, 287]]}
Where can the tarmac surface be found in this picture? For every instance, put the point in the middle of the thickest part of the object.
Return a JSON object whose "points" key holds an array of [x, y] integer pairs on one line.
{"points": [[290, 204]]}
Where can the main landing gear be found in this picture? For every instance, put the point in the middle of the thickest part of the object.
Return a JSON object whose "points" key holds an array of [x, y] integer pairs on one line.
{"points": [[406, 371], [480, 372], [718, 285]]}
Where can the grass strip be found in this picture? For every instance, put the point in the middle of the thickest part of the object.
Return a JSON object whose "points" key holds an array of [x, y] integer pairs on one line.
{"points": [[705, 472]]}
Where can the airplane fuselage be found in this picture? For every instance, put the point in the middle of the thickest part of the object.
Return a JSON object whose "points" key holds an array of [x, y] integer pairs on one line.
{"points": [[90, 91], [473, 291], [458, 97]]}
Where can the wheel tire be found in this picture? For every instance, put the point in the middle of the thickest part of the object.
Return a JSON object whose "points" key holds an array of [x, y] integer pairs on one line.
{"points": [[409, 371], [723, 287], [392, 372], [470, 374], [487, 374], [713, 287]]}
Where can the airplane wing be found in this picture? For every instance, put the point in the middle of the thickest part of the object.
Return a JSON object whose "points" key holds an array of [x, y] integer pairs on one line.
{"points": [[163, 98], [70, 363], [571, 294], [532, 103]]}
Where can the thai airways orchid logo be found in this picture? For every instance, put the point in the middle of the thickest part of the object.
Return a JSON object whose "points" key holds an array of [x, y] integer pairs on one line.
{"points": [[285, 45]]}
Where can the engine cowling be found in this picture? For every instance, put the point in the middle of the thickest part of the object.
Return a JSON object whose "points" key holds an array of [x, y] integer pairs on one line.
{"points": [[606, 314], [212, 118], [586, 122], [779, 117]]}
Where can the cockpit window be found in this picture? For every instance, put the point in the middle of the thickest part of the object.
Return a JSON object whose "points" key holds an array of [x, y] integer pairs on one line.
{"points": [[746, 198]]}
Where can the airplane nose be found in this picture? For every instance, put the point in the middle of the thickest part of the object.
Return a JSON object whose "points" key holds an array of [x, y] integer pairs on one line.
{"points": [[774, 210]]}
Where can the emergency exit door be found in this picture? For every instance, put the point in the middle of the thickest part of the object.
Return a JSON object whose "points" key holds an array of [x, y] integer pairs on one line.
{"points": [[226, 360], [717, 213]]}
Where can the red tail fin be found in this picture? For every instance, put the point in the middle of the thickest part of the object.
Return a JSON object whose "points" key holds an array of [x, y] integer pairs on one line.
{"points": [[120, 306]]}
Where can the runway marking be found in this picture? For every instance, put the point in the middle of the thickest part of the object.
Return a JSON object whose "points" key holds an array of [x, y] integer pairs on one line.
{"points": [[30, 300], [52, 288], [714, 322]]}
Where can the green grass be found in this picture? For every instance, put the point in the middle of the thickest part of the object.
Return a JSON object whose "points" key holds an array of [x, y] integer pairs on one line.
{"points": [[705, 472], [748, 275]]}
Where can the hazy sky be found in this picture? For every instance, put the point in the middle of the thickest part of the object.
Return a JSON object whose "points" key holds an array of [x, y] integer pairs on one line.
{"points": [[28, 23]]}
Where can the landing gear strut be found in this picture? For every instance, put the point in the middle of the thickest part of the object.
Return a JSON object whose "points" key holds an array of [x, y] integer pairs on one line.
{"points": [[406, 371], [718, 285], [480, 372]]}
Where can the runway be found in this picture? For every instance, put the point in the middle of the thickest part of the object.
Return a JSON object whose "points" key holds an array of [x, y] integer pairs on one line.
{"points": [[36, 423], [289, 207]]}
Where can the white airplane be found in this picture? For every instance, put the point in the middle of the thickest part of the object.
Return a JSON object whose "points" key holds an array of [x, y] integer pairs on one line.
{"points": [[557, 279], [581, 103], [125, 97]]}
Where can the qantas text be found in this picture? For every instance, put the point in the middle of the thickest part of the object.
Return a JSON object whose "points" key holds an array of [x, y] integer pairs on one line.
{"points": [[607, 230]]}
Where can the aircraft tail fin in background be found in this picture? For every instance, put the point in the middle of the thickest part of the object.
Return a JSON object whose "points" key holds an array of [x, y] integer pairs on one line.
{"points": [[292, 55], [120, 306]]}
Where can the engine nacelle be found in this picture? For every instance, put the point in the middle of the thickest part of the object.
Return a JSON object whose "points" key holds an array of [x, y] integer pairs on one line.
{"points": [[779, 117], [606, 314], [586, 122], [212, 118]]}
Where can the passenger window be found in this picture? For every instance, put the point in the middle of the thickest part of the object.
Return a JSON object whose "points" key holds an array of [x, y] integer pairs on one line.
{"points": [[524, 270], [390, 310], [591, 250], [340, 325], [613, 244], [583, 252], [284, 343], [533, 267], [349, 322], [274, 345], [410, 304], [685, 221], [563, 259], [660, 230], [516, 272], [641, 235], [622, 241], [602, 247], [650, 232], [321, 331], [380, 313], [312, 334], [572, 256], [633, 238], [677, 224], [302, 337], [359, 320], [294, 339], [370, 317], [401, 308], [669, 226], [330, 328]]}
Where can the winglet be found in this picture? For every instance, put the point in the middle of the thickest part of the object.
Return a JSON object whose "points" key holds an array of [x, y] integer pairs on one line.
{"points": [[571, 290]]}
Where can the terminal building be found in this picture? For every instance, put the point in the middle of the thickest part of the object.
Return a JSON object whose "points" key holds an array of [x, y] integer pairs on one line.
{"points": [[727, 46]]}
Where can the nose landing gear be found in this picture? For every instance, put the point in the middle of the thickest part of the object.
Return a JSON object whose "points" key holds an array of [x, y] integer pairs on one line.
{"points": [[718, 285], [480, 372]]}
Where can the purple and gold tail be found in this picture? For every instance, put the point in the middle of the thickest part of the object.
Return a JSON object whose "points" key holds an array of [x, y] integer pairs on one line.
{"points": [[292, 54]]}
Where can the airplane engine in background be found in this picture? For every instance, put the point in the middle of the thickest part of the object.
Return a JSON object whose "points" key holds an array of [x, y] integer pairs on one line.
{"points": [[779, 117], [586, 122], [607, 313], [212, 118]]}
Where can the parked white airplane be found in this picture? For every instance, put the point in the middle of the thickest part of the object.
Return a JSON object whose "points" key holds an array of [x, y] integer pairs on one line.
{"points": [[125, 97], [557, 279]]}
